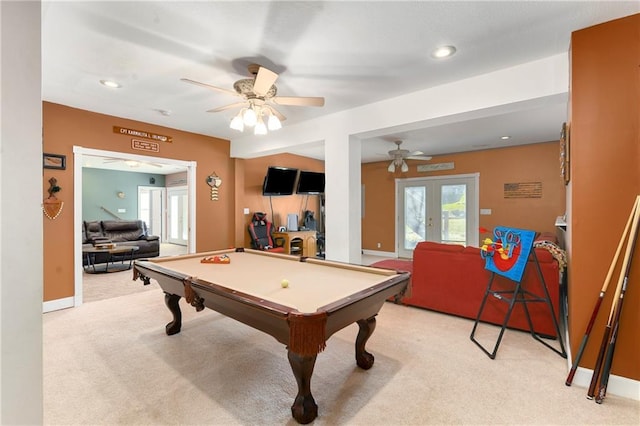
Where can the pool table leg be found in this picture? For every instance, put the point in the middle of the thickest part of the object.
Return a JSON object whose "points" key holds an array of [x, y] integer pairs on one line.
{"points": [[363, 358], [304, 408], [172, 302]]}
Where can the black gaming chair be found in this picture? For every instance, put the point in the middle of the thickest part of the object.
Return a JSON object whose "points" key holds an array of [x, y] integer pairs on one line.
{"points": [[261, 233], [310, 224]]}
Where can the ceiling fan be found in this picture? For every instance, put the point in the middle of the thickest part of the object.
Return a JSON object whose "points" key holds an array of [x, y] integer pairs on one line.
{"points": [[259, 94], [400, 155]]}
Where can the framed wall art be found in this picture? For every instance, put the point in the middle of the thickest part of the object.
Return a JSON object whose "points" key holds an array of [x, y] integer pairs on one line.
{"points": [[54, 161]]}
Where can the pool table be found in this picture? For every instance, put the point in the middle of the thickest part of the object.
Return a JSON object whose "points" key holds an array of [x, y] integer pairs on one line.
{"points": [[321, 298]]}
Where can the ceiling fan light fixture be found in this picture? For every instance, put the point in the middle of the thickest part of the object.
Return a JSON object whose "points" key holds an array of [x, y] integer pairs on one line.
{"points": [[273, 122], [392, 167], [237, 123], [249, 117], [405, 167]]}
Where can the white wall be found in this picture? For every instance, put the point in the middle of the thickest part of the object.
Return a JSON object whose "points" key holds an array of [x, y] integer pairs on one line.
{"points": [[21, 216]]}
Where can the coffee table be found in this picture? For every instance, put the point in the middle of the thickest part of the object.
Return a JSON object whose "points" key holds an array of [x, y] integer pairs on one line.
{"points": [[116, 258]]}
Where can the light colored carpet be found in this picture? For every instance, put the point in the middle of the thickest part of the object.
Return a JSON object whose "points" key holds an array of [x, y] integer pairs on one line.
{"points": [[110, 362], [114, 284]]}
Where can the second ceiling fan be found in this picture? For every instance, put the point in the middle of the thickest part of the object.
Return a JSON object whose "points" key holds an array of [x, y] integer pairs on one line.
{"points": [[399, 156], [259, 94]]}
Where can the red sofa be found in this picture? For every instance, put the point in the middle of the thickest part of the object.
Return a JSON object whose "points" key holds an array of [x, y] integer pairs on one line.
{"points": [[452, 279]]}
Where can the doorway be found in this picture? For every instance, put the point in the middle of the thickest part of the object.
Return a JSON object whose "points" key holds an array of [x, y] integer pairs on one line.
{"points": [[440, 209], [79, 153]]}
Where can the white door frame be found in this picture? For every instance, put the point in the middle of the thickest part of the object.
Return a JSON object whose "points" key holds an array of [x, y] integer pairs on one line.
{"points": [[473, 209], [78, 153]]}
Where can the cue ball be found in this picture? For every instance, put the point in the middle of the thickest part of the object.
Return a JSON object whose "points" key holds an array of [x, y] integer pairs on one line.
{"points": [[284, 283]]}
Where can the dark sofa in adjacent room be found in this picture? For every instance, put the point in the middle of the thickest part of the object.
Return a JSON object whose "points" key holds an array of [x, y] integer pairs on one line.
{"points": [[122, 233]]}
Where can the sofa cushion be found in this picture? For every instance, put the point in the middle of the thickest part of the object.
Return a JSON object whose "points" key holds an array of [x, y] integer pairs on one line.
{"points": [[92, 230], [547, 236], [123, 230], [470, 250], [429, 245], [396, 264], [125, 236]]}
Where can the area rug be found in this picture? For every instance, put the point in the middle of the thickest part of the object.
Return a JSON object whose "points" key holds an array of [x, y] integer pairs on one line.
{"points": [[396, 264]]}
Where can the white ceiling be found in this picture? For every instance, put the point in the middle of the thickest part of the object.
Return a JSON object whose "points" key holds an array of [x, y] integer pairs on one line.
{"points": [[351, 53]]}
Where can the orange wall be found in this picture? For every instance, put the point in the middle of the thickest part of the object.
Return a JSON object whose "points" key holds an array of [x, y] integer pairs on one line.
{"points": [[605, 180], [250, 191], [65, 127], [528, 163]]}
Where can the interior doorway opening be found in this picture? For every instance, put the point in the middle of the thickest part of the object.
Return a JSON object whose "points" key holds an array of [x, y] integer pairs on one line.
{"points": [[79, 154]]}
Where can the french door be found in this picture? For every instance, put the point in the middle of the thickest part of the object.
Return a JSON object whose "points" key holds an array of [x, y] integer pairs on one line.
{"points": [[151, 209], [178, 215], [441, 209]]}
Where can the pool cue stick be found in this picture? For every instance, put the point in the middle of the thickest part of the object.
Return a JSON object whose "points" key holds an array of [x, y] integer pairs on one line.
{"points": [[596, 309], [606, 369], [607, 331]]}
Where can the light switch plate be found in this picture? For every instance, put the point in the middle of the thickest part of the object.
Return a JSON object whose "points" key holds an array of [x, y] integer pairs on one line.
{"points": [[485, 211]]}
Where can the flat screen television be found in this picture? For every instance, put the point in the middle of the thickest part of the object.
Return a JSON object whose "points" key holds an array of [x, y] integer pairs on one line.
{"points": [[279, 181], [310, 182]]}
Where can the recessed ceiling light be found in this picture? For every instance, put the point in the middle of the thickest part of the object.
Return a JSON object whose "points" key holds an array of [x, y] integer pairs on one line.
{"points": [[504, 138], [443, 52], [111, 84]]}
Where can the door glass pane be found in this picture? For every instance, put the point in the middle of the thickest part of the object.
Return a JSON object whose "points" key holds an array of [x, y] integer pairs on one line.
{"points": [[144, 203], [174, 224], [415, 199], [453, 199], [183, 217]]}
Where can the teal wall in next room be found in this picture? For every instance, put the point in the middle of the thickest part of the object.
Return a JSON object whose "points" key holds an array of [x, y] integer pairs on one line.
{"points": [[100, 188]]}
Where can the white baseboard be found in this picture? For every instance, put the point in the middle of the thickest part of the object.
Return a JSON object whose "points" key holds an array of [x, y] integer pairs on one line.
{"points": [[56, 305], [620, 386], [379, 253]]}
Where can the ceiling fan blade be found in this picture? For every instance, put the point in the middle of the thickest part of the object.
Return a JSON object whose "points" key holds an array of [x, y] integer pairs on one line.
{"points": [[415, 153], [223, 108], [419, 157], [264, 80], [298, 100], [208, 86], [277, 113]]}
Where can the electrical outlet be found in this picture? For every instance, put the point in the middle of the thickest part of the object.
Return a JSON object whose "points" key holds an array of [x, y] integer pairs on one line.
{"points": [[378, 245], [246, 210]]}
